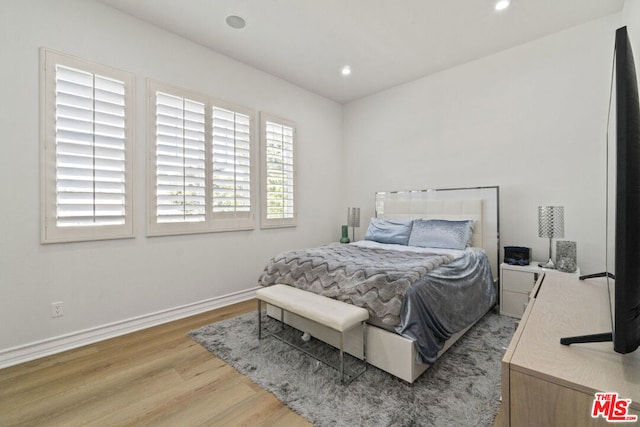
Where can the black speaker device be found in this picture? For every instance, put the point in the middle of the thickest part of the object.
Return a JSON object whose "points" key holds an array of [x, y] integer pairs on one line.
{"points": [[516, 255]]}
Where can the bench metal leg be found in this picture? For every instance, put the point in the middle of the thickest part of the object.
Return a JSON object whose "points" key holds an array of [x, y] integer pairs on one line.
{"points": [[364, 344], [351, 377], [342, 357], [282, 319], [259, 319]]}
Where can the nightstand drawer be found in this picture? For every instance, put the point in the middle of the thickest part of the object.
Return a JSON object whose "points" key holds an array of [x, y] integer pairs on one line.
{"points": [[518, 281], [513, 303]]}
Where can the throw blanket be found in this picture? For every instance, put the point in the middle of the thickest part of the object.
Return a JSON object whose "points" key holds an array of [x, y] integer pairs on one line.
{"points": [[373, 278], [447, 300]]}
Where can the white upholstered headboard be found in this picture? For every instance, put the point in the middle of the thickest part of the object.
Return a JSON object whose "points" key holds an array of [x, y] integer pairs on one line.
{"points": [[480, 204]]}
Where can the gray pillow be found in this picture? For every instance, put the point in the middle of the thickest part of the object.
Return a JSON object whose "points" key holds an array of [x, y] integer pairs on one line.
{"points": [[440, 233], [389, 231]]}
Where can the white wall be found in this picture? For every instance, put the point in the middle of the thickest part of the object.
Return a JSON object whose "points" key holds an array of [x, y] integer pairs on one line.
{"points": [[531, 119], [105, 282], [631, 18]]}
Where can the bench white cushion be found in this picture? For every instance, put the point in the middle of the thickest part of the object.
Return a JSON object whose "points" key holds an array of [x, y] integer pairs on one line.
{"points": [[320, 309]]}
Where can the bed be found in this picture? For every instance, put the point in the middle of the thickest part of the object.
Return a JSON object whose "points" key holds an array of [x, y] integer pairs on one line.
{"points": [[425, 271]]}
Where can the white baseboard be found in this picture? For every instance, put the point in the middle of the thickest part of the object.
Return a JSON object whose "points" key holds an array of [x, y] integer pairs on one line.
{"points": [[35, 350]]}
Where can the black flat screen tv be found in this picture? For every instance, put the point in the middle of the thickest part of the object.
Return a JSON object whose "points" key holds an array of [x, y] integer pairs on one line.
{"points": [[623, 206]]}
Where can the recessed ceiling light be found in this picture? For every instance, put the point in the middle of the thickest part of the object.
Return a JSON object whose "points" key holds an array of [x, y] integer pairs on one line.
{"points": [[502, 5], [346, 70], [235, 21]]}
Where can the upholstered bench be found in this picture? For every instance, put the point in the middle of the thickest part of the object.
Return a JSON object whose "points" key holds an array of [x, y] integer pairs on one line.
{"points": [[331, 313]]}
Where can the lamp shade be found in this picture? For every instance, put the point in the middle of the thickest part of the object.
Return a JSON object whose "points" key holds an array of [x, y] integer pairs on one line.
{"points": [[353, 217], [550, 221]]}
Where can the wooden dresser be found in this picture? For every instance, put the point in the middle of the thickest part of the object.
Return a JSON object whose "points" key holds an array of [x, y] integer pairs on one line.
{"points": [[548, 384]]}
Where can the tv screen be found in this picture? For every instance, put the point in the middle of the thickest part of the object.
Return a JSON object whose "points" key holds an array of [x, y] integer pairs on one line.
{"points": [[626, 315], [623, 206]]}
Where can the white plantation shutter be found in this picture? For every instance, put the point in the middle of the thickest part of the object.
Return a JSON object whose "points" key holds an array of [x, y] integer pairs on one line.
{"points": [[279, 168], [231, 154], [90, 149], [279, 178], [180, 159], [87, 154], [201, 168]]}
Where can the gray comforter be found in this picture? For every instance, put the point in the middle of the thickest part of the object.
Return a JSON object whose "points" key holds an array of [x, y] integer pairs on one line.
{"points": [[424, 297]]}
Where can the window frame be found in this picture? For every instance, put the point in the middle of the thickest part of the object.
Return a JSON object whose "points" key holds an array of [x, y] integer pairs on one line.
{"points": [[213, 222], [265, 221], [51, 232]]}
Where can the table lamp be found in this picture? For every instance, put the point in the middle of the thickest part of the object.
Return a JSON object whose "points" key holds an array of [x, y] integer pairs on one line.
{"points": [[550, 225], [353, 220]]}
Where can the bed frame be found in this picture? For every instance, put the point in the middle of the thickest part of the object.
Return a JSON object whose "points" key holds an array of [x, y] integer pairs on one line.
{"points": [[389, 351]]}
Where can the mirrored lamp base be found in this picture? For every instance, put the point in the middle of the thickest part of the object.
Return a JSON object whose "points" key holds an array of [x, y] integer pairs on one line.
{"points": [[549, 264]]}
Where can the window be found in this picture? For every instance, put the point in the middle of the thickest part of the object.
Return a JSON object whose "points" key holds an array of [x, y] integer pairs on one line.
{"points": [[180, 159], [201, 167], [279, 173], [231, 152], [87, 150]]}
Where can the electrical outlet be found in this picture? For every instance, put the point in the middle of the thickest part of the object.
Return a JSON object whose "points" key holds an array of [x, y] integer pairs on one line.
{"points": [[56, 309]]}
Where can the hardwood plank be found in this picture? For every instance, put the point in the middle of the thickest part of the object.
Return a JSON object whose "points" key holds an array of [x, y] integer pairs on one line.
{"points": [[200, 408], [250, 412], [156, 376]]}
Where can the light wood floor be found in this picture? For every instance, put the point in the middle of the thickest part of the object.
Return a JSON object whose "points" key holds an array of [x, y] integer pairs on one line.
{"points": [[158, 376]]}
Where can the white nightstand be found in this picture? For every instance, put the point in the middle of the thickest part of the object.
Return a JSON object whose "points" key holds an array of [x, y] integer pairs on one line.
{"points": [[516, 283]]}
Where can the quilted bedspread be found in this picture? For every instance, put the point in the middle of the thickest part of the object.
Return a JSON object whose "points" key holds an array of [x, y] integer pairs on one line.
{"points": [[373, 278], [426, 297]]}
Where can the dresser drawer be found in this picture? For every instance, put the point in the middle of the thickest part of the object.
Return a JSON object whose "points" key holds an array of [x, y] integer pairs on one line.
{"points": [[518, 281]]}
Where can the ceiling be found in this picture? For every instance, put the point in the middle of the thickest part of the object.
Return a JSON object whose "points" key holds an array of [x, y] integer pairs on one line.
{"points": [[386, 42]]}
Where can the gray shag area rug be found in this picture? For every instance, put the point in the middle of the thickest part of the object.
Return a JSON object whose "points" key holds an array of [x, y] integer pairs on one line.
{"points": [[461, 389]]}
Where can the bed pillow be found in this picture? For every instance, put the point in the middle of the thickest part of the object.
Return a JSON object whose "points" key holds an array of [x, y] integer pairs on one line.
{"points": [[440, 233], [389, 231]]}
